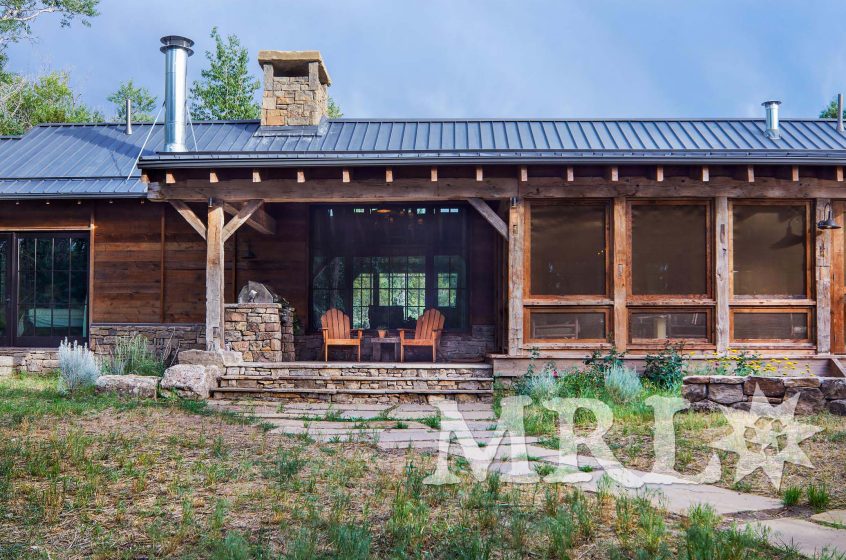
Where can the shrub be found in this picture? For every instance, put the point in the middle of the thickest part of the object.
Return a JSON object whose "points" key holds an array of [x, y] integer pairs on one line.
{"points": [[622, 384], [818, 497], [600, 362], [665, 369], [539, 386], [791, 496], [133, 355], [78, 367]]}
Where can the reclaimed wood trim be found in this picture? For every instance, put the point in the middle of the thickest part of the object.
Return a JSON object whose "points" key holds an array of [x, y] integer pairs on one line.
{"points": [[527, 325], [389, 175], [823, 240], [722, 273], [244, 214], [259, 220], [838, 283], [214, 280], [620, 273], [490, 216], [256, 176], [516, 273]]}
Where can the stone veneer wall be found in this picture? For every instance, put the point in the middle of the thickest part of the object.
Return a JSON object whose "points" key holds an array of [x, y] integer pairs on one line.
{"points": [[293, 100], [161, 337], [454, 347], [262, 332], [30, 360], [707, 392]]}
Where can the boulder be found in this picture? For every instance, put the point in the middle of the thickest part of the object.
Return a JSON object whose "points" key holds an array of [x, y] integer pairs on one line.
{"points": [[694, 392], [696, 379], [811, 401], [792, 382], [219, 358], [770, 386], [726, 394], [141, 386], [190, 381], [833, 388], [704, 406], [837, 407], [726, 379]]}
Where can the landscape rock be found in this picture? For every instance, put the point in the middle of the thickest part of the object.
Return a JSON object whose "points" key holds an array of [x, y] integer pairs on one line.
{"points": [[704, 406], [833, 387], [837, 408], [141, 386], [811, 401], [726, 379], [812, 382], [218, 358], [696, 379], [190, 381], [694, 392], [726, 394], [770, 386]]}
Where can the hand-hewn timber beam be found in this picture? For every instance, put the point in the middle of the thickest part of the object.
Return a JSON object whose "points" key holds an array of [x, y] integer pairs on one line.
{"points": [[433, 175], [214, 280], [823, 280], [256, 176], [257, 219], [190, 217], [723, 273], [488, 214], [480, 173], [389, 175], [621, 251], [516, 219], [244, 214]]}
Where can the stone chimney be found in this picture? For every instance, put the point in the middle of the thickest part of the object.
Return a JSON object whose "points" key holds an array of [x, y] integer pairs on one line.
{"points": [[295, 88]]}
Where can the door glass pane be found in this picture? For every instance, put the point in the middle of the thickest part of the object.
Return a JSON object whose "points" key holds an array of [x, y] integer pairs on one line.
{"points": [[4, 289], [769, 250], [669, 249], [770, 326], [568, 252], [586, 325]]}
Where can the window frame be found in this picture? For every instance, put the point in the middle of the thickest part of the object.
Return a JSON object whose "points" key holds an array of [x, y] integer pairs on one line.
{"points": [[576, 342], [693, 343], [708, 296], [545, 299], [809, 341]]}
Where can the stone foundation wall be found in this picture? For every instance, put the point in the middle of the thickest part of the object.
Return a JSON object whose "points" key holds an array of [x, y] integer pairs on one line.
{"points": [[262, 332], [707, 392], [454, 347], [29, 360], [162, 338]]}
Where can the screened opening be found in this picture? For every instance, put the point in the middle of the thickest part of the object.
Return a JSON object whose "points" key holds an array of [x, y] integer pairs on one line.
{"points": [[568, 249], [669, 253], [670, 325], [769, 248], [384, 265], [782, 325], [567, 325]]}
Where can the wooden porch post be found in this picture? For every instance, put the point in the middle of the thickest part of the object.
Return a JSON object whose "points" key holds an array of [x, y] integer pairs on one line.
{"points": [[722, 275], [516, 240], [823, 279], [214, 278], [620, 275]]}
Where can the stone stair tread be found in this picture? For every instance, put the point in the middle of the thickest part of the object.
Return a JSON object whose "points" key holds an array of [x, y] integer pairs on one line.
{"points": [[351, 391], [366, 365], [348, 378]]}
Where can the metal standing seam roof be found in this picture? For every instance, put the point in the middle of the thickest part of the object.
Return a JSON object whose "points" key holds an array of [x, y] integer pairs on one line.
{"points": [[78, 160]]}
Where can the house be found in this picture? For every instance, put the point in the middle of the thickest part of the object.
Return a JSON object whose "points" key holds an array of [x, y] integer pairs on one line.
{"points": [[547, 237]]}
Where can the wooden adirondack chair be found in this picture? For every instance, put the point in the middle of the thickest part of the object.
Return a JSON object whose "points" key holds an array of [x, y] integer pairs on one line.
{"points": [[427, 333], [336, 332]]}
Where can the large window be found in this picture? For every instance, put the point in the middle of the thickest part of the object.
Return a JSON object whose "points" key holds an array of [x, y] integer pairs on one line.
{"points": [[669, 249], [770, 250], [384, 265], [569, 255]]}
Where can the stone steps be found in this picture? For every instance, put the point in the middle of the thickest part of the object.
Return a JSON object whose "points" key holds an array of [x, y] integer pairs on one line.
{"points": [[349, 395]]}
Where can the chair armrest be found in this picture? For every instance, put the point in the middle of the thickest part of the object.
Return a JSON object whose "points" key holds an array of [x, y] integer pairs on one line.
{"points": [[402, 334], [359, 331]]}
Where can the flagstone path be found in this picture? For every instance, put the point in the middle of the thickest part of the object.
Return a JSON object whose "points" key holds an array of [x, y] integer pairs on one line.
{"points": [[409, 426]]}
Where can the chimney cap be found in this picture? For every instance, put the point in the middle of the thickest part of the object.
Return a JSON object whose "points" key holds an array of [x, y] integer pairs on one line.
{"points": [[770, 102], [179, 41], [295, 63]]}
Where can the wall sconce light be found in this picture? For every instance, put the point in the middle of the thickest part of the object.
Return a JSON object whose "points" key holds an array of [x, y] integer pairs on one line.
{"points": [[828, 222]]}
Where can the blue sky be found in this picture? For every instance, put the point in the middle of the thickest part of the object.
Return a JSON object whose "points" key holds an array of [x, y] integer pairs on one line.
{"points": [[491, 58]]}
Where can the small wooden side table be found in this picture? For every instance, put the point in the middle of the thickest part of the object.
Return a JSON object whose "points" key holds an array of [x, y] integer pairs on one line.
{"points": [[378, 343]]}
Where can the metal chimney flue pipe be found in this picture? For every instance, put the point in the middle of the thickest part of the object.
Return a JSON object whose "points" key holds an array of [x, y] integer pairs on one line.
{"points": [[772, 119], [177, 50], [128, 116], [839, 112]]}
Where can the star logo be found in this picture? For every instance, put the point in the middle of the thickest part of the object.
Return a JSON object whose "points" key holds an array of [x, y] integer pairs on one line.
{"points": [[766, 437]]}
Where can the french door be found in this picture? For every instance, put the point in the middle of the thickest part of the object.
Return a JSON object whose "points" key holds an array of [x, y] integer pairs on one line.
{"points": [[44, 288]]}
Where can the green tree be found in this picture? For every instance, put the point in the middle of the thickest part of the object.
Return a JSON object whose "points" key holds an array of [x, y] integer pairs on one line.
{"points": [[143, 102], [227, 89], [333, 111], [25, 103], [830, 112], [17, 16]]}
